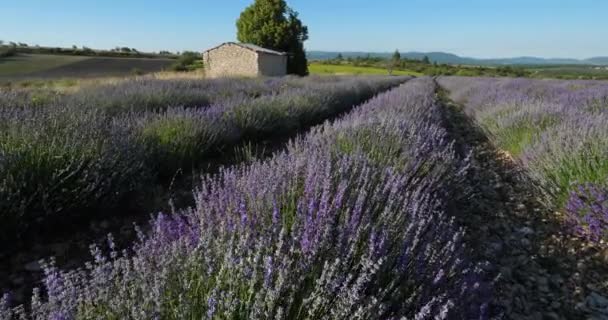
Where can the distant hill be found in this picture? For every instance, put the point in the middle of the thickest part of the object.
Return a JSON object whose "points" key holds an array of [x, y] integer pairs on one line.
{"points": [[444, 57], [598, 60]]}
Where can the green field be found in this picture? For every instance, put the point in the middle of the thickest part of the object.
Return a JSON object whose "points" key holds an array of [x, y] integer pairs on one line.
{"points": [[318, 68]]}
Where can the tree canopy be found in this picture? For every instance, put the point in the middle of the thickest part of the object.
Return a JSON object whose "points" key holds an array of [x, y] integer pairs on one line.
{"points": [[396, 56], [272, 24]]}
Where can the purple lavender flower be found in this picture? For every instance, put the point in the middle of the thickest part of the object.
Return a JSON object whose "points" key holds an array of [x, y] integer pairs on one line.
{"points": [[587, 212], [348, 222], [557, 129], [102, 145], [211, 304]]}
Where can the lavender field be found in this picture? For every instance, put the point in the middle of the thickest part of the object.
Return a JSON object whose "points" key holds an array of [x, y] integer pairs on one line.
{"points": [[380, 198], [556, 129], [86, 151]]}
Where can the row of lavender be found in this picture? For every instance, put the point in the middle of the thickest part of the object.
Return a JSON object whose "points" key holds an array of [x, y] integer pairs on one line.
{"points": [[558, 129], [62, 160], [349, 223], [153, 94]]}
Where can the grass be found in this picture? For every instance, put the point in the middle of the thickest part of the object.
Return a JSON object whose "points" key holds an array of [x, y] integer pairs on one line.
{"points": [[517, 137], [325, 69], [572, 167], [25, 64]]}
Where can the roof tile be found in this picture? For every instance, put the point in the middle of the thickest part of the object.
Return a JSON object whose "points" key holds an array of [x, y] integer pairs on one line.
{"points": [[252, 47]]}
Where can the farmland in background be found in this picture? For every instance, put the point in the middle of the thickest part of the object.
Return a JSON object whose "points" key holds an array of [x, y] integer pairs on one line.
{"points": [[328, 69], [382, 65], [45, 66], [570, 72], [37, 67]]}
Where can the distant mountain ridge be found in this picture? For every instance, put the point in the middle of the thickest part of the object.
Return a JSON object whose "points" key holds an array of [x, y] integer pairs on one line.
{"points": [[450, 58]]}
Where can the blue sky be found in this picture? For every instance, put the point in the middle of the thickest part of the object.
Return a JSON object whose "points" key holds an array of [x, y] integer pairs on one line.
{"points": [[477, 28]]}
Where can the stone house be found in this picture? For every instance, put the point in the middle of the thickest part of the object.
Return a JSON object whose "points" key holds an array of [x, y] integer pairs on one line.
{"points": [[243, 59]]}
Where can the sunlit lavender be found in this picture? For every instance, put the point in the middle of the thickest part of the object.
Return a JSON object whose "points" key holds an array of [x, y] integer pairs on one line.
{"points": [[349, 223], [587, 210], [86, 151], [557, 129]]}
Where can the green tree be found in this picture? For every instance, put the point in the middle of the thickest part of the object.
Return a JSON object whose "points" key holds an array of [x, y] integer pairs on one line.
{"points": [[187, 61], [394, 62], [87, 50], [426, 60], [8, 51], [396, 56], [339, 57], [272, 24]]}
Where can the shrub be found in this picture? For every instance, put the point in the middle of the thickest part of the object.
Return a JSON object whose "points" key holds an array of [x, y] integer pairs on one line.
{"points": [[155, 94], [587, 212], [187, 61], [136, 72], [177, 138], [557, 129], [8, 52], [55, 164], [574, 151]]}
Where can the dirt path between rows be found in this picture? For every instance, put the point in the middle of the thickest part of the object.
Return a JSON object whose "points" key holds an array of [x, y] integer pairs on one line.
{"points": [[538, 272]]}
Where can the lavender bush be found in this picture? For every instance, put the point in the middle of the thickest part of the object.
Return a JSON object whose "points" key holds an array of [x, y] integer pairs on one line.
{"points": [[152, 94], [60, 161], [147, 93], [558, 129], [323, 231], [19, 98], [573, 152], [587, 212], [54, 163], [181, 138]]}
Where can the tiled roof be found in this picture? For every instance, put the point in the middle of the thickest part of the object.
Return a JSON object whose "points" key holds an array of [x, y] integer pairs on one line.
{"points": [[252, 47]]}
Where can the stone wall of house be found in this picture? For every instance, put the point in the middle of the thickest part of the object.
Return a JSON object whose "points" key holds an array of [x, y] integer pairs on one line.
{"points": [[272, 65], [230, 60]]}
